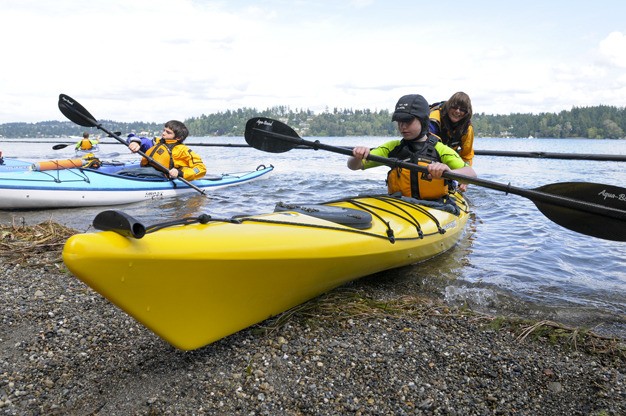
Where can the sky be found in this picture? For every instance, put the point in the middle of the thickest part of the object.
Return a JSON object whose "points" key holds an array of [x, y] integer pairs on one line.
{"points": [[156, 60]]}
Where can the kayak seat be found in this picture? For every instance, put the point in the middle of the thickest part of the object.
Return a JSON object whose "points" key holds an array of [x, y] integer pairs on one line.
{"points": [[345, 216]]}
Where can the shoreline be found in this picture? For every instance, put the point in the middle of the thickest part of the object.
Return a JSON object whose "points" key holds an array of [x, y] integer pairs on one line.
{"points": [[66, 350]]}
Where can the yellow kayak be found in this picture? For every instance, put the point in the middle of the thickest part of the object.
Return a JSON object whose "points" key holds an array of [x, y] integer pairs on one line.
{"points": [[193, 284]]}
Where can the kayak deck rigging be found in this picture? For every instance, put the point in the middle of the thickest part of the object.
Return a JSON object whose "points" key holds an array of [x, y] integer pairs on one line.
{"points": [[111, 220]]}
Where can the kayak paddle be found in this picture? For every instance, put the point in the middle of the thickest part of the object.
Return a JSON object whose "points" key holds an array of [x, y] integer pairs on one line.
{"points": [[536, 155], [552, 155], [79, 115], [588, 208], [64, 145]]}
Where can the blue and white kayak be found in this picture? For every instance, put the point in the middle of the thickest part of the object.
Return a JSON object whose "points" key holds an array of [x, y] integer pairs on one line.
{"points": [[29, 186], [7, 164]]}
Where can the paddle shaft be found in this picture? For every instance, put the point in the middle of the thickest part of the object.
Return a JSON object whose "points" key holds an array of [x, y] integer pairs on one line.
{"points": [[535, 155], [526, 193], [552, 155]]}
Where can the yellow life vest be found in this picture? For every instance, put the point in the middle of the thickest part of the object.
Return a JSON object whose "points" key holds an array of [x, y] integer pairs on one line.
{"points": [[161, 153], [173, 154], [411, 183], [86, 144]]}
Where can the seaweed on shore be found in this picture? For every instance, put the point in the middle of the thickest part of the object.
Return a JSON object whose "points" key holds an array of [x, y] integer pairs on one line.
{"points": [[21, 242]]}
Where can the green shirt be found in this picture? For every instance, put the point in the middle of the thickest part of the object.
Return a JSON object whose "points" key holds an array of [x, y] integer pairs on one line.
{"points": [[446, 154]]}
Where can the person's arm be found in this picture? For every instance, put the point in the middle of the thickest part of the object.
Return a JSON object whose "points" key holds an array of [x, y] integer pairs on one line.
{"points": [[361, 153], [136, 143], [437, 169], [188, 165], [450, 161], [355, 162]]}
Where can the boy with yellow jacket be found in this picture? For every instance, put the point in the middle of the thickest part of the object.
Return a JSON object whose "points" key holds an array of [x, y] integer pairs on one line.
{"points": [[169, 151]]}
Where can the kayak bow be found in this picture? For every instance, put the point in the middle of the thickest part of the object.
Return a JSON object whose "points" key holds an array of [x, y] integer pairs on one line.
{"points": [[243, 270]]}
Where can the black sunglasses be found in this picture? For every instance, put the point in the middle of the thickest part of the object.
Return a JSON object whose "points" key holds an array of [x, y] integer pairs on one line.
{"points": [[461, 109]]}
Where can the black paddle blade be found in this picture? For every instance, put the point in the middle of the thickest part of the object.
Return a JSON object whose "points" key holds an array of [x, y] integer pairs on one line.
{"points": [[59, 146], [606, 219], [119, 222], [76, 112], [270, 135]]}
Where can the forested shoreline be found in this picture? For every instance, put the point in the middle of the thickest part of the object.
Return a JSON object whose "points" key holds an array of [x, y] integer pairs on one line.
{"points": [[598, 122]]}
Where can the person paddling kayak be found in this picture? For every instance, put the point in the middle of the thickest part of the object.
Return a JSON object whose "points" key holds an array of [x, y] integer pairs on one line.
{"points": [[86, 144], [418, 146], [170, 152]]}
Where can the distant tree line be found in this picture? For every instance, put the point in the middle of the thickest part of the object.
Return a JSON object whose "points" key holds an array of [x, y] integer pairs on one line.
{"points": [[600, 122], [68, 129], [597, 122]]}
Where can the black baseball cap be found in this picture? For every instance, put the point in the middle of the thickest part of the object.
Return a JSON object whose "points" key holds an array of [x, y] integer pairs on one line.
{"points": [[410, 107]]}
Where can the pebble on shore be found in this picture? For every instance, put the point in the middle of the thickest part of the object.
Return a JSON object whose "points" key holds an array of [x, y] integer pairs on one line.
{"points": [[66, 350]]}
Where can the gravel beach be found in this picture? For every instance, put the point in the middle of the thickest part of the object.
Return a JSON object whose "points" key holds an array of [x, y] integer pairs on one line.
{"points": [[66, 350]]}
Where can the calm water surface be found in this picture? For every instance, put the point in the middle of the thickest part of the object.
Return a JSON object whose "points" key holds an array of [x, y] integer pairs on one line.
{"points": [[512, 259]]}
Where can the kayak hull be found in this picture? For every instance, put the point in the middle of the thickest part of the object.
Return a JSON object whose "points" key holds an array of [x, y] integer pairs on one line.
{"points": [[68, 188], [195, 284]]}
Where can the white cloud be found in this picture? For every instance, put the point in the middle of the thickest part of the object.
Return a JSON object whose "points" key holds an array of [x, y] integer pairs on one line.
{"points": [[613, 47], [154, 60]]}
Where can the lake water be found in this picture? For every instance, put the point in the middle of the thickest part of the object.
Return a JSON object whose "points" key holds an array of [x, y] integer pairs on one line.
{"points": [[511, 261]]}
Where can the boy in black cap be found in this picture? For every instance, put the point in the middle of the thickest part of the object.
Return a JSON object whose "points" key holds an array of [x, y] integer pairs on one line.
{"points": [[417, 146]]}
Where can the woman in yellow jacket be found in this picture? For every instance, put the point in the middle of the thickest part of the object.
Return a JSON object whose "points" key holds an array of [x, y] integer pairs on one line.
{"points": [[169, 151], [452, 121]]}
